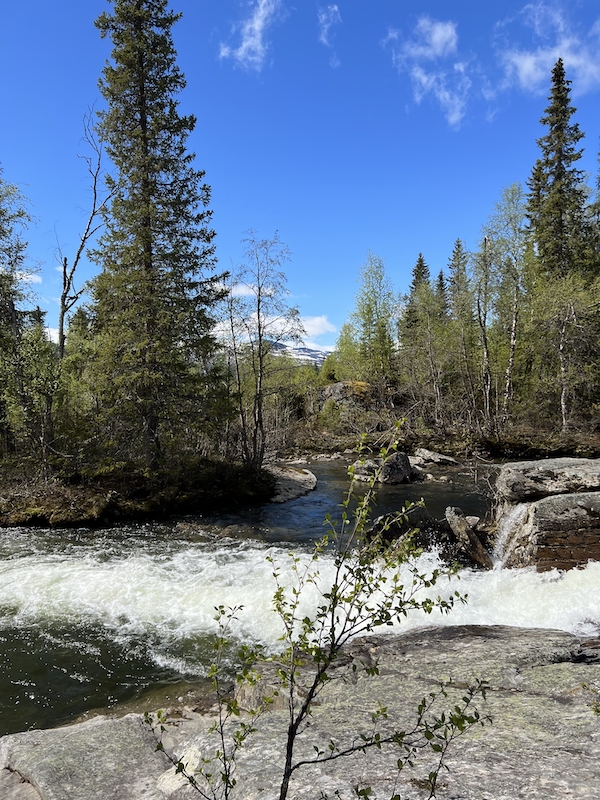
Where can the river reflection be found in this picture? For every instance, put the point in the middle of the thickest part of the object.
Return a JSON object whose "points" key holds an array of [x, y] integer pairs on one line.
{"points": [[302, 520]]}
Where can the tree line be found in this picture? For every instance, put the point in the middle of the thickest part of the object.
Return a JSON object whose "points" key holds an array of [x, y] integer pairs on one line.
{"points": [[508, 335], [164, 360]]}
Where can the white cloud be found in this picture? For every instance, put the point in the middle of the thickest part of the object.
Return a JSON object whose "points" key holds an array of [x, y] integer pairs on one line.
{"points": [[451, 94], [28, 277], [317, 326], [429, 57], [432, 39], [243, 290], [52, 334], [252, 51], [327, 18], [553, 38]]}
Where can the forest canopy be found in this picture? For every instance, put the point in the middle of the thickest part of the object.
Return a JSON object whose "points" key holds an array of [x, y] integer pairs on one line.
{"points": [[162, 361]]}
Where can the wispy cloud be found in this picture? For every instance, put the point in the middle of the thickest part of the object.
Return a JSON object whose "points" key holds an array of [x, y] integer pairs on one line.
{"points": [[328, 17], [28, 277], [552, 37], [432, 39], [252, 51], [317, 326], [429, 56]]}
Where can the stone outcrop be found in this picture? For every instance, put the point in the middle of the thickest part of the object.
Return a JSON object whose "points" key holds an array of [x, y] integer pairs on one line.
{"points": [[543, 741], [549, 513], [558, 532], [532, 480]]}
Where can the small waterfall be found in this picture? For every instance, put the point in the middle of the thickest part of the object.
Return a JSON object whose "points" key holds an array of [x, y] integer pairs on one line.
{"points": [[510, 523]]}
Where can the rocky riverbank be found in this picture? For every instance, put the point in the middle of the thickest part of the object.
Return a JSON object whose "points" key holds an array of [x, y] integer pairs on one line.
{"points": [[543, 741]]}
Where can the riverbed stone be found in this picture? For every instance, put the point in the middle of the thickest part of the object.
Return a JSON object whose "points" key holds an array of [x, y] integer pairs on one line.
{"points": [[396, 468], [291, 482], [426, 456], [543, 741], [531, 480]]}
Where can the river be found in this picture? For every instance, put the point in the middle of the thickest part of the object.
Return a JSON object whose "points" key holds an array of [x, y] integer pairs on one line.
{"points": [[94, 619]]}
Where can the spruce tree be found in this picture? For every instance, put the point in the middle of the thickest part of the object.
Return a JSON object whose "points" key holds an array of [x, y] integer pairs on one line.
{"points": [[556, 205], [420, 277], [152, 298]]}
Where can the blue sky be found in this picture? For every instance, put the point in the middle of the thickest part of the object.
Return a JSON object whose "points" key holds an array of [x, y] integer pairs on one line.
{"points": [[382, 125]]}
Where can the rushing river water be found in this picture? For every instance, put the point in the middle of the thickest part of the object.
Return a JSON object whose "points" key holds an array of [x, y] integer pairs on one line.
{"points": [[90, 619]]}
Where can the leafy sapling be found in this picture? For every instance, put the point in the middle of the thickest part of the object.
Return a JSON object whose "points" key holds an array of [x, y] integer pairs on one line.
{"points": [[372, 581]]}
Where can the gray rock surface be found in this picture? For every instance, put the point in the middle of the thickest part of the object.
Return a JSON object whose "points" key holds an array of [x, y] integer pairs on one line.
{"points": [[548, 513], [395, 469], [544, 741], [431, 457], [100, 759], [291, 482], [558, 532], [532, 480]]}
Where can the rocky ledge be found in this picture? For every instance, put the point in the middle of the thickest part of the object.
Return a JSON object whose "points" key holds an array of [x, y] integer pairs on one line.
{"points": [[543, 741], [548, 513]]}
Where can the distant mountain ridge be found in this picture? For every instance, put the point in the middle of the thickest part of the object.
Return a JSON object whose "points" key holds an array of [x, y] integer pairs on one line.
{"points": [[302, 354]]}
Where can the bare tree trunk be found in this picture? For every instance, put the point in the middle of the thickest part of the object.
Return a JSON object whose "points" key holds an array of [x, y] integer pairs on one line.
{"points": [[511, 358], [564, 371]]}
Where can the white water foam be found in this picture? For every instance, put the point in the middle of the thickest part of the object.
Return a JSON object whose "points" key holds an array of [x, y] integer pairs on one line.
{"points": [[168, 594], [508, 526]]}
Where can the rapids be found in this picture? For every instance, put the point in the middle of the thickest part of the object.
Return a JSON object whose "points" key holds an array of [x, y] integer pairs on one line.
{"points": [[90, 619]]}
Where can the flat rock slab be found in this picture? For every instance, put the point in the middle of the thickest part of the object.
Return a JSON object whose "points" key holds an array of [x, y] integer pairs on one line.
{"points": [[291, 482], [544, 741], [531, 480], [100, 759]]}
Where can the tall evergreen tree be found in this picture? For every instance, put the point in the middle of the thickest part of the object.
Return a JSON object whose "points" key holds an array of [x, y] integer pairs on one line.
{"points": [[462, 329], [152, 299], [556, 205], [420, 277]]}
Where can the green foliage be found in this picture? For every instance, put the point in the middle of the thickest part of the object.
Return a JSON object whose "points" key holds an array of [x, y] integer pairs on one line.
{"points": [[151, 301], [366, 347], [557, 193]]}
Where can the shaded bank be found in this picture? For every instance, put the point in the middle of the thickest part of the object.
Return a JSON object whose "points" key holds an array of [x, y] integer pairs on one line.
{"points": [[121, 494]]}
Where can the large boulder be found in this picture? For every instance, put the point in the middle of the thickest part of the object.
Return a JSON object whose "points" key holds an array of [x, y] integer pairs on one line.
{"points": [[532, 480], [558, 532], [548, 513], [395, 468]]}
